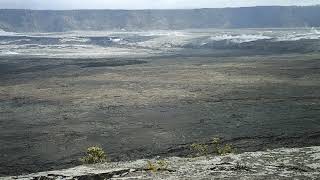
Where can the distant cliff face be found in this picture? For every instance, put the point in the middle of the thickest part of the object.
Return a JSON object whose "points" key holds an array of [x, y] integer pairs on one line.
{"points": [[251, 17]]}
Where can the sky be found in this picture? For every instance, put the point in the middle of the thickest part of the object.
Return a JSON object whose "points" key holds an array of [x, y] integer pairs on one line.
{"points": [[145, 4]]}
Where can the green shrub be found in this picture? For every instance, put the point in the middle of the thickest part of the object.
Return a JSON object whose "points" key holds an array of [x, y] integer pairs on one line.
{"points": [[160, 165], [215, 145], [216, 148], [163, 164], [226, 149], [94, 155], [199, 149], [152, 167], [220, 149]]}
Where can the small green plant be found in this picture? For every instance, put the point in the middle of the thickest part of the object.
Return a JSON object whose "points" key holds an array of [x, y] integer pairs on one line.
{"points": [[216, 144], [160, 165], [226, 149], [216, 147], [94, 155], [151, 167], [221, 150], [216, 140], [163, 164], [199, 149]]}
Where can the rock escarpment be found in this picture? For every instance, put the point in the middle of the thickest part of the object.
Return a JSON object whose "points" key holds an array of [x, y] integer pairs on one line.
{"points": [[98, 20]]}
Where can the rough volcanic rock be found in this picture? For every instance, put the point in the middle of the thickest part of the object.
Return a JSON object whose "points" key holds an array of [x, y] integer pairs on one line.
{"points": [[285, 163]]}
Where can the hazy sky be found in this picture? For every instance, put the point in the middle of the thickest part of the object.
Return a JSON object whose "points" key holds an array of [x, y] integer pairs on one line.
{"points": [[144, 4]]}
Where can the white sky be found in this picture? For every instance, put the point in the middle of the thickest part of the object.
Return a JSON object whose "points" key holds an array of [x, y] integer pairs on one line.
{"points": [[144, 4]]}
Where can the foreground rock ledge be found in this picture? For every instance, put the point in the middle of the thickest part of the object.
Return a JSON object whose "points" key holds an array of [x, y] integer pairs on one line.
{"points": [[284, 163]]}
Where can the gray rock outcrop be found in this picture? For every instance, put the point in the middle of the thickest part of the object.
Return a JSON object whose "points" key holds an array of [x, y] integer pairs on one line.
{"points": [[285, 163]]}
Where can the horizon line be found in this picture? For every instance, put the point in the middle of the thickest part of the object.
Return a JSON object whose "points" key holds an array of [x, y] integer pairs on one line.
{"points": [[146, 9]]}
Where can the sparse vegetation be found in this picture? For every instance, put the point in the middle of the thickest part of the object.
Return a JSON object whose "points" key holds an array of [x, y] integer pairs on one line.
{"points": [[200, 149], [94, 155], [216, 147], [216, 144], [152, 167], [226, 149], [220, 149], [160, 165]]}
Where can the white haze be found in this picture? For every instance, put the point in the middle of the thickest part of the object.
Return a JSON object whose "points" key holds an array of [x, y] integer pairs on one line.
{"points": [[145, 4]]}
